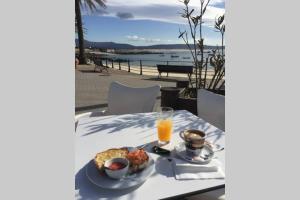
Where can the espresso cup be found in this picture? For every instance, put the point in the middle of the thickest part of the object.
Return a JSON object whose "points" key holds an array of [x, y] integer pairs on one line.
{"points": [[194, 141]]}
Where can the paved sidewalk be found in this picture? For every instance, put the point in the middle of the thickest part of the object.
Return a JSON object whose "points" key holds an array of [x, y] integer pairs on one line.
{"points": [[92, 87]]}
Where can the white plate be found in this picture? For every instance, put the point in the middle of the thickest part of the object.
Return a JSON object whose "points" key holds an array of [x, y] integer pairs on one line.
{"points": [[180, 151], [103, 181]]}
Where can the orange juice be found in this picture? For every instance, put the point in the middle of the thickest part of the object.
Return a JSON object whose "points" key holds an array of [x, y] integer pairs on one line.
{"points": [[164, 129]]}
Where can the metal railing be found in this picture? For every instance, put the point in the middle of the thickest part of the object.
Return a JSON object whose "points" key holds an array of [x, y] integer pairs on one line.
{"points": [[118, 63]]}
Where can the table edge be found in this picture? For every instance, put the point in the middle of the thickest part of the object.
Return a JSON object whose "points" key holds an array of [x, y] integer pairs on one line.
{"points": [[180, 196]]}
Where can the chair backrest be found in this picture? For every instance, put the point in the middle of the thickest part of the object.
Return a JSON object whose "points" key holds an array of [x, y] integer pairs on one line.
{"points": [[211, 108], [124, 100]]}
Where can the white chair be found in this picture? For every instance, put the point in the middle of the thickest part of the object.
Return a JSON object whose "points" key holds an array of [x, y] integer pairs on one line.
{"points": [[211, 108], [125, 100]]}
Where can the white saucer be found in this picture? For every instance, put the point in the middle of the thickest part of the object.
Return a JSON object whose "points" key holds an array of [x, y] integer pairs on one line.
{"points": [[180, 151], [214, 147]]}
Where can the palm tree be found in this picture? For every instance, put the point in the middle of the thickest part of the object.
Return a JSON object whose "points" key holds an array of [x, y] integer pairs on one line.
{"points": [[92, 6]]}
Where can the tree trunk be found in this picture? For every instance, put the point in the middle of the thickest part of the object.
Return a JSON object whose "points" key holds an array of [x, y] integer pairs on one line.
{"points": [[82, 59]]}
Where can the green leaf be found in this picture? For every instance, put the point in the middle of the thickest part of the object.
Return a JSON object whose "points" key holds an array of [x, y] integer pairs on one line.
{"points": [[181, 34], [186, 2], [195, 20], [191, 12], [92, 4], [223, 28]]}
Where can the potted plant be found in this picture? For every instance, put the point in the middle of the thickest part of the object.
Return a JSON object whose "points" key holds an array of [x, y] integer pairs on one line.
{"points": [[212, 80]]}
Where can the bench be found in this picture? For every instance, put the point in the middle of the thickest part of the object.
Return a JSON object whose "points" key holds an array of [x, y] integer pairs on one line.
{"points": [[175, 69], [96, 60], [98, 65]]}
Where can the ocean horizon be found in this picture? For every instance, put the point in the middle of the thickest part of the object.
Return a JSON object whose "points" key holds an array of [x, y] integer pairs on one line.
{"points": [[163, 56]]}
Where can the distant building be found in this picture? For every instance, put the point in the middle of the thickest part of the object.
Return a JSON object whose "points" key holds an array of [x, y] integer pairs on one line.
{"points": [[110, 50]]}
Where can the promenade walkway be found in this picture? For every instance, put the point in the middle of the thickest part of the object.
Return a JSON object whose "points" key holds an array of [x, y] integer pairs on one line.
{"points": [[92, 87]]}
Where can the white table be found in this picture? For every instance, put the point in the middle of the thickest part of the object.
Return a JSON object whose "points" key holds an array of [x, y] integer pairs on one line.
{"points": [[97, 134]]}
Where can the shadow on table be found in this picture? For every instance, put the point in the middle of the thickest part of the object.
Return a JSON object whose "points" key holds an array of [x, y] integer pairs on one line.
{"points": [[93, 119], [182, 120], [88, 190], [127, 121]]}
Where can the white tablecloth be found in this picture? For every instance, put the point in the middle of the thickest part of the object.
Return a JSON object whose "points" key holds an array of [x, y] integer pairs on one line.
{"points": [[97, 134]]}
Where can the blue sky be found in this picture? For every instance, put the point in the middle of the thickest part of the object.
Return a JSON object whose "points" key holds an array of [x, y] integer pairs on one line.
{"points": [[146, 22]]}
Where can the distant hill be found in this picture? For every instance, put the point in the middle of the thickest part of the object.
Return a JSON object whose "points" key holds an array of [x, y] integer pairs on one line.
{"points": [[113, 45]]}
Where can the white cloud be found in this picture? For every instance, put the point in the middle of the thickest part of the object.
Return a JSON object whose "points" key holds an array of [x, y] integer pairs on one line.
{"points": [[161, 10], [140, 40], [160, 2], [136, 38], [133, 37]]}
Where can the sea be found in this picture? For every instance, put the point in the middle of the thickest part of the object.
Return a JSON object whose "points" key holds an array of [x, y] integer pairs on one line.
{"points": [[171, 57]]}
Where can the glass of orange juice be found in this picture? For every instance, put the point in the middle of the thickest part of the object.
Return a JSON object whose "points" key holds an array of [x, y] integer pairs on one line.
{"points": [[164, 125]]}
